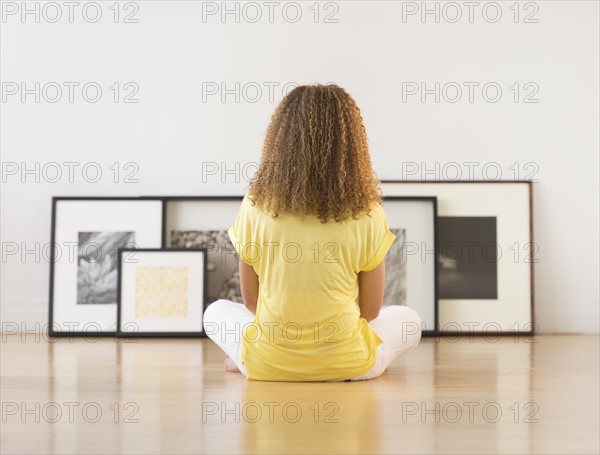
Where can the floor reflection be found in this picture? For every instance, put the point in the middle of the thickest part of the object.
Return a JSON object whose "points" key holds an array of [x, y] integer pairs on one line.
{"points": [[294, 416]]}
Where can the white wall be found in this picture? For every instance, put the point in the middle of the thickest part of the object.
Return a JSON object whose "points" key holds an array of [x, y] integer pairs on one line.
{"points": [[170, 52]]}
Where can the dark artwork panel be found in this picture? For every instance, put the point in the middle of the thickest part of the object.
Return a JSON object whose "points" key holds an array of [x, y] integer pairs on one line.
{"points": [[222, 266], [467, 257], [395, 271], [97, 265]]}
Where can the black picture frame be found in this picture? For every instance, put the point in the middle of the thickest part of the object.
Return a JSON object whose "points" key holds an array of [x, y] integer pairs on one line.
{"points": [[52, 332], [141, 334], [432, 200], [434, 332]]}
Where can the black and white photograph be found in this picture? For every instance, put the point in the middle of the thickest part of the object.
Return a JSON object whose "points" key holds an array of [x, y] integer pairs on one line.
{"points": [[222, 261], [395, 268], [97, 267], [468, 257]]}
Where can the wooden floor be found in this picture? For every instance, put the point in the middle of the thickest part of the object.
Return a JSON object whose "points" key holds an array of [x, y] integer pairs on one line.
{"points": [[172, 396]]}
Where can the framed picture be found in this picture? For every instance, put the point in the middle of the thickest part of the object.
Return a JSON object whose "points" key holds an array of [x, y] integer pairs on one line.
{"points": [[485, 254], [86, 235], [201, 222], [410, 264], [161, 293]]}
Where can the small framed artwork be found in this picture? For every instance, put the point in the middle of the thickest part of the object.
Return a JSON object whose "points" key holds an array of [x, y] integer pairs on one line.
{"points": [[161, 293], [193, 222], [86, 235], [485, 254], [410, 264]]}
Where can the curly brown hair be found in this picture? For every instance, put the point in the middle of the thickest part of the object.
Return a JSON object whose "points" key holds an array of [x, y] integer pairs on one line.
{"points": [[315, 158]]}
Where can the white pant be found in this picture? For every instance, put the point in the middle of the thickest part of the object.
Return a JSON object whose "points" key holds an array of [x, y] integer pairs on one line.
{"points": [[398, 326]]}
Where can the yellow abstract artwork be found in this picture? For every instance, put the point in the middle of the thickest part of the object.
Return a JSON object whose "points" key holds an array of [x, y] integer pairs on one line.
{"points": [[161, 292]]}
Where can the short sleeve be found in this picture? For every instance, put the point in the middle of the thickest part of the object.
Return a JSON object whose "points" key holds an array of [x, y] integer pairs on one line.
{"points": [[240, 234], [378, 240]]}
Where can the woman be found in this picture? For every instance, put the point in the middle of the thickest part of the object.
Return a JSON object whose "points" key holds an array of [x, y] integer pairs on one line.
{"points": [[311, 235]]}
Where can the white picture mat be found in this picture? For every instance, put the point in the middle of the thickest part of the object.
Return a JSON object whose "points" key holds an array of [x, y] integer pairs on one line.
{"points": [[509, 203], [418, 218], [201, 215], [144, 217], [193, 260]]}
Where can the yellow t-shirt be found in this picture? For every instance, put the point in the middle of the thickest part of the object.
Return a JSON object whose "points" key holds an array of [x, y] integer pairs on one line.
{"points": [[307, 325]]}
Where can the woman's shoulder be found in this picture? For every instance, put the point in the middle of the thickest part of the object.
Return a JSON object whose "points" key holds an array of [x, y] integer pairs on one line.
{"points": [[375, 210], [248, 199], [249, 206]]}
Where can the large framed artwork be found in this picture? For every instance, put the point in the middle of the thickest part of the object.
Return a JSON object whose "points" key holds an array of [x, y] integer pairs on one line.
{"points": [[193, 222], [86, 235], [161, 293], [410, 264], [485, 254]]}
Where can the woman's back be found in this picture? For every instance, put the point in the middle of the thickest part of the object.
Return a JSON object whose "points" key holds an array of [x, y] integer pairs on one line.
{"points": [[307, 314]]}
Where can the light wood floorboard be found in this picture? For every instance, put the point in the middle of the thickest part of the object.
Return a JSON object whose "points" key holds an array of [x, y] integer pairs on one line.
{"points": [[180, 400]]}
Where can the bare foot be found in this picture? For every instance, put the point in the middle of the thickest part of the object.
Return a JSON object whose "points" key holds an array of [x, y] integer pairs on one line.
{"points": [[230, 365]]}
